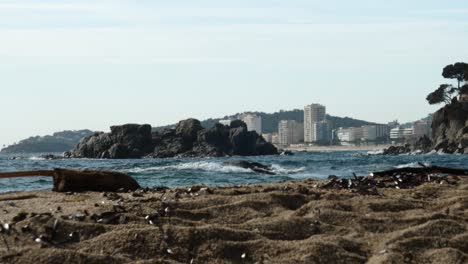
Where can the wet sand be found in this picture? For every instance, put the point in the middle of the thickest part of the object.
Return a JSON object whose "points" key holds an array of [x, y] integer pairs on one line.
{"points": [[288, 222]]}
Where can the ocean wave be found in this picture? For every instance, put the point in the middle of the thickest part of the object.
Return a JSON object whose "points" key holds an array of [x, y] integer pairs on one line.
{"points": [[413, 165], [36, 158], [282, 170], [212, 167], [375, 152], [200, 165]]}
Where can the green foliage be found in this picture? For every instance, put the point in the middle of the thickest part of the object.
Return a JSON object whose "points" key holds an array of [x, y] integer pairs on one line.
{"points": [[58, 142], [446, 92], [456, 71]]}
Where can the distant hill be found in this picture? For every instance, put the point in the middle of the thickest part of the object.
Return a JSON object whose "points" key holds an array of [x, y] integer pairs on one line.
{"points": [[58, 142], [270, 121]]}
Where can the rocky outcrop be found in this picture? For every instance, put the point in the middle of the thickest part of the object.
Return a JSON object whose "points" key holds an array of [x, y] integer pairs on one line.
{"points": [[254, 166], [188, 139], [127, 141], [450, 128]]}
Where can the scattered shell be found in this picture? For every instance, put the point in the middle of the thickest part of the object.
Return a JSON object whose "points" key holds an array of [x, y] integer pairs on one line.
{"points": [[25, 228], [243, 256], [6, 227], [170, 251]]}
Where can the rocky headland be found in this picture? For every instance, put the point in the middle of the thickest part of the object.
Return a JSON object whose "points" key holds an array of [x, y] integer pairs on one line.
{"points": [[188, 139], [449, 133]]}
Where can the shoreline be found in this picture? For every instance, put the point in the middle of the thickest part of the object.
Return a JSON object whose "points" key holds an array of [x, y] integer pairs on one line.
{"points": [[337, 148], [296, 221]]}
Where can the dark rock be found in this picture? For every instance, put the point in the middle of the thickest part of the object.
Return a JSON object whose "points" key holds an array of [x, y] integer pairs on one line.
{"points": [[255, 166], [188, 139], [188, 130], [397, 150], [450, 128], [127, 141], [237, 124]]}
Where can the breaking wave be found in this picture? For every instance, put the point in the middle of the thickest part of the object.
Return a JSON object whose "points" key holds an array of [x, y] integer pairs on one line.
{"points": [[413, 165], [212, 167]]}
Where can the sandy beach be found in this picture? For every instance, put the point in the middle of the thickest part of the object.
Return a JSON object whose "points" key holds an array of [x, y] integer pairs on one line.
{"points": [[287, 222]]}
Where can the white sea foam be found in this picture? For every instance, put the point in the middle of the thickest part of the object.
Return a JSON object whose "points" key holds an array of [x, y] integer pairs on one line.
{"points": [[36, 158], [412, 165], [200, 165], [375, 152], [281, 170], [213, 167]]}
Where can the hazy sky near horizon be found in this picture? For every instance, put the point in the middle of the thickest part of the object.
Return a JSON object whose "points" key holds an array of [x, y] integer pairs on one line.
{"points": [[95, 63]]}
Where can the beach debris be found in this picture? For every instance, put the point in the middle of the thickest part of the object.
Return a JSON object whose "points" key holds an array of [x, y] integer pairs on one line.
{"points": [[152, 218], [20, 217], [74, 237], [243, 256], [5, 228], [108, 218], [69, 180], [169, 251], [402, 178], [25, 229], [77, 216], [112, 196]]}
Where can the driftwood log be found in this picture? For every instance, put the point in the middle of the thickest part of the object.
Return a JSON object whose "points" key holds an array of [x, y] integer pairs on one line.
{"points": [[68, 180]]}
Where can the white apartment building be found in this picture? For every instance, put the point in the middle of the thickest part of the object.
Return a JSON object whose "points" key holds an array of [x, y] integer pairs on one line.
{"points": [[351, 134], [274, 138], [226, 122], [290, 132], [268, 137], [401, 133], [253, 122], [312, 114]]}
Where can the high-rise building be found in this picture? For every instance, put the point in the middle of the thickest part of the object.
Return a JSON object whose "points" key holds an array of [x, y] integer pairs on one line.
{"points": [[253, 122], [290, 132], [312, 114], [321, 130], [382, 131]]}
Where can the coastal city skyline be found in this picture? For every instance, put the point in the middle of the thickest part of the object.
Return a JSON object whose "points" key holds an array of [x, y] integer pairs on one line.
{"points": [[184, 59]]}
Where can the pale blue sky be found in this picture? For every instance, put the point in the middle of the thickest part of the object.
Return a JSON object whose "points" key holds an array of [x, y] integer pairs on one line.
{"points": [[92, 64]]}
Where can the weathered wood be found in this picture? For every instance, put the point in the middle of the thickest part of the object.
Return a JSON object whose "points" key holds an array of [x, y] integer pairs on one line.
{"points": [[68, 180], [16, 174]]}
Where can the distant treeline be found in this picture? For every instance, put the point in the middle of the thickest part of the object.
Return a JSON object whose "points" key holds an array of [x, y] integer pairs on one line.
{"points": [[58, 142], [270, 121]]}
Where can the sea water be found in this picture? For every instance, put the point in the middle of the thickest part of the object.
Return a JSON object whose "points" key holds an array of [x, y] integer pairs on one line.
{"points": [[211, 171]]}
